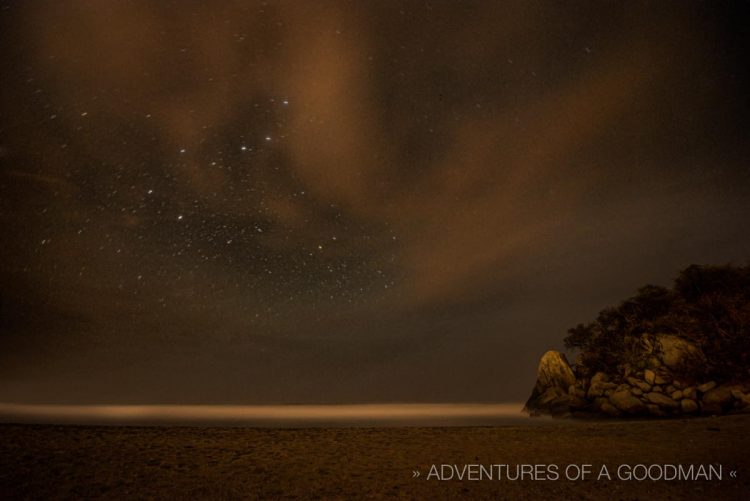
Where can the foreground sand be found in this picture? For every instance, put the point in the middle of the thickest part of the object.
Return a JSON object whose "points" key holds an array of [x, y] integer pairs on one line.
{"points": [[54, 462]]}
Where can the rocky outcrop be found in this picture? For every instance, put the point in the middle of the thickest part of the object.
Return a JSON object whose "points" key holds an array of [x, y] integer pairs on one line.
{"points": [[665, 388]]}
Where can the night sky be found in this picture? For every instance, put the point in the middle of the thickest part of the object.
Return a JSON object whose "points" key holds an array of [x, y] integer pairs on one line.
{"points": [[316, 202]]}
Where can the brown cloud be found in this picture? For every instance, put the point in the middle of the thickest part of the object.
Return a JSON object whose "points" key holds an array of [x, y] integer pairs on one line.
{"points": [[502, 185]]}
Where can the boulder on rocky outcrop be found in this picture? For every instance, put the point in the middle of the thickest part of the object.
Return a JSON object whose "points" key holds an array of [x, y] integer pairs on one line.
{"points": [[554, 371], [625, 401], [719, 399], [742, 399], [677, 353], [554, 378], [610, 410], [643, 385], [706, 387], [655, 410], [662, 400], [688, 406], [598, 385]]}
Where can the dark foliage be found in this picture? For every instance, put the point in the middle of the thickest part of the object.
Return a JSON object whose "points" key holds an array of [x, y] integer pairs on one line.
{"points": [[708, 305]]}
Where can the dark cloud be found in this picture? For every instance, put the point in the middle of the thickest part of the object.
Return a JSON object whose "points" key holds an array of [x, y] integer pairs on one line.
{"points": [[234, 201]]}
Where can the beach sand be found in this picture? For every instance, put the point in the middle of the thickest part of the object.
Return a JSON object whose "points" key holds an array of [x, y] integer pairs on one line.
{"points": [[123, 462]]}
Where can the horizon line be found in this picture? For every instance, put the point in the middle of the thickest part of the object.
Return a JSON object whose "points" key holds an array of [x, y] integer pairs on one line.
{"points": [[280, 413]]}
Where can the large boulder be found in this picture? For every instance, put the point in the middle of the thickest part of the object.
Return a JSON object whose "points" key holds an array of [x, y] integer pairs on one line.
{"points": [[662, 401], [706, 387], [719, 399], [742, 399], [609, 409], [550, 394], [627, 402], [554, 371], [599, 385], [637, 383], [688, 406], [679, 354]]}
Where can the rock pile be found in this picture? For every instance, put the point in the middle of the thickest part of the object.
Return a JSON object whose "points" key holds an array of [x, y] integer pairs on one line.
{"points": [[653, 390]]}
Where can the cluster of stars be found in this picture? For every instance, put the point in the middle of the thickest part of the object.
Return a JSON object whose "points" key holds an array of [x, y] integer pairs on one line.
{"points": [[214, 244]]}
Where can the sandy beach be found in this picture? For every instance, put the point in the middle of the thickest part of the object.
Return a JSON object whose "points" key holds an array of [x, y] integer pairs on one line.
{"points": [[157, 462]]}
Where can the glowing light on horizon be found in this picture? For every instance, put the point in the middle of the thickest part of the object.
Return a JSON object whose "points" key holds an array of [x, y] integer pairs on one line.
{"points": [[125, 414]]}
